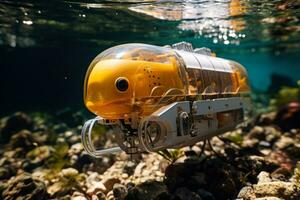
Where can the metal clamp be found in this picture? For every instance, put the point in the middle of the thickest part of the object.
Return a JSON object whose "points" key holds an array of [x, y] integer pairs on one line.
{"points": [[86, 138]]}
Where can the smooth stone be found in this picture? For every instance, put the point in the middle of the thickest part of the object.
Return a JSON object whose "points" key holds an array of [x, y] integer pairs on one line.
{"points": [[147, 190], [264, 177], [94, 184], [247, 193], [109, 182], [13, 124], [24, 187], [69, 172], [284, 190], [119, 191]]}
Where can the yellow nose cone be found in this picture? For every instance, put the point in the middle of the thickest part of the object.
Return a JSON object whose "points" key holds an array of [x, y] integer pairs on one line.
{"points": [[131, 78]]}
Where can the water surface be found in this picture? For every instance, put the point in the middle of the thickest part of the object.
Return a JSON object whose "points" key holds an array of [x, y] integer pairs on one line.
{"points": [[46, 46]]}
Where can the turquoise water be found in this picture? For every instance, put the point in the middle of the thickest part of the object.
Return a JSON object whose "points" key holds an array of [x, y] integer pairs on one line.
{"points": [[46, 47]]}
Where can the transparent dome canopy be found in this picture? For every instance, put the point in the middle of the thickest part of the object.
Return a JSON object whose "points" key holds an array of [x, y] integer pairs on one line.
{"points": [[141, 78], [131, 78], [136, 51]]}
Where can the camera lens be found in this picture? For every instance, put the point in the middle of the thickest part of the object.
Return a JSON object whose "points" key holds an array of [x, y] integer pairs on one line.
{"points": [[122, 84]]}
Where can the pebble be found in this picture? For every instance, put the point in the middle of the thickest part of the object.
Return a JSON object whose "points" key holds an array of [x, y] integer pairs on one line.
{"points": [[94, 184], [263, 177], [265, 154], [119, 191], [99, 195], [24, 187], [69, 172], [277, 189], [147, 190], [284, 142], [109, 182], [110, 196], [79, 198], [13, 124]]}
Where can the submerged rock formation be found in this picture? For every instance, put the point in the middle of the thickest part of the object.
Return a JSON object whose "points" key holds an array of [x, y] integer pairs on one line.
{"points": [[45, 160]]}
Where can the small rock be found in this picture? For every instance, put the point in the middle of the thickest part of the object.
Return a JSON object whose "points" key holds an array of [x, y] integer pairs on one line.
{"points": [[58, 189], [294, 131], [110, 196], [264, 144], [5, 172], [69, 172], [183, 193], [23, 139], [177, 174], [74, 139], [40, 174], [4, 161], [94, 184], [288, 117], [119, 191], [250, 143], [225, 188], [100, 195], [272, 133], [75, 149], [39, 154], [130, 185], [259, 163], [24, 187], [190, 153], [79, 198], [283, 190], [246, 193], [284, 142], [263, 177], [109, 182], [76, 194], [281, 174], [130, 167], [147, 191], [13, 124], [294, 149], [266, 118], [139, 168], [257, 132], [268, 198], [269, 20], [280, 158], [124, 176]]}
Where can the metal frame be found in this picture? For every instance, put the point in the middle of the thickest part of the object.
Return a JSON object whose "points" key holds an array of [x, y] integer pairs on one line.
{"points": [[178, 124]]}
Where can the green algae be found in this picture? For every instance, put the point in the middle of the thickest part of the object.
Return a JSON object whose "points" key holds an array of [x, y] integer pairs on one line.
{"points": [[285, 95]]}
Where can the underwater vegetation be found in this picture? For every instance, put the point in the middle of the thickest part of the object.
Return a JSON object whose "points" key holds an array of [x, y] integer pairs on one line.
{"points": [[285, 95]]}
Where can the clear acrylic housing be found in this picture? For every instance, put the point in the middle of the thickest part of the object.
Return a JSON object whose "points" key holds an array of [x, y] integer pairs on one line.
{"points": [[140, 78]]}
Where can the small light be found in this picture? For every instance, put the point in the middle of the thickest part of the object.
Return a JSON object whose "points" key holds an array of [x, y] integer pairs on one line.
{"points": [[28, 22]]}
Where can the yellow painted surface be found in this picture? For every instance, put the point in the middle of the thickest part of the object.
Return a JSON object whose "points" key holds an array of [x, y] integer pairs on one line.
{"points": [[154, 81], [145, 79]]}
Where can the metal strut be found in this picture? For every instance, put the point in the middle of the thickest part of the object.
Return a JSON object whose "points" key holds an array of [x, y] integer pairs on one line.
{"points": [[86, 138]]}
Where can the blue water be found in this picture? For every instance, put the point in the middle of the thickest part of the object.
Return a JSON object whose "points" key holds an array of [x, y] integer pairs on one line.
{"points": [[46, 47]]}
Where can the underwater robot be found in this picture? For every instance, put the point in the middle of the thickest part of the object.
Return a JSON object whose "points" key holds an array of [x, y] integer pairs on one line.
{"points": [[159, 98]]}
